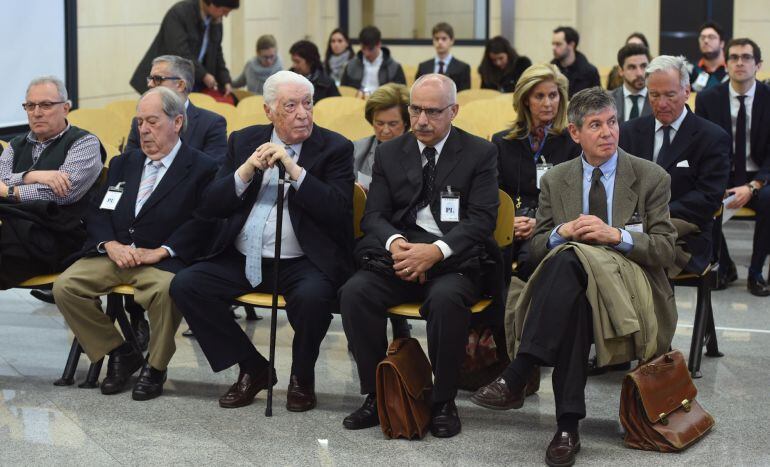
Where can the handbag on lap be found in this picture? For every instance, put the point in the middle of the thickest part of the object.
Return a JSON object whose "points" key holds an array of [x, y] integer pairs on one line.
{"points": [[404, 383], [658, 409]]}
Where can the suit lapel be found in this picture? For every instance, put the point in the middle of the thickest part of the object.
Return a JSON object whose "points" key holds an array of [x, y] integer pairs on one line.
{"points": [[757, 111], [450, 156], [684, 138], [311, 149], [572, 197], [646, 129], [133, 177], [173, 176], [623, 198], [620, 102], [646, 108], [192, 121], [411, 162]]}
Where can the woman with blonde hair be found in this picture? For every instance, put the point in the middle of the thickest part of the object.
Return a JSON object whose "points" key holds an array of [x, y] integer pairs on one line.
{"points": [[538, 140]]}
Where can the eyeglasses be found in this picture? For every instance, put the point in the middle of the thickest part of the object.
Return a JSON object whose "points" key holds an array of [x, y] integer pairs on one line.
{"points": [[708, 37], [158, 80], [744, 57], [45, 105], [415, 111]]}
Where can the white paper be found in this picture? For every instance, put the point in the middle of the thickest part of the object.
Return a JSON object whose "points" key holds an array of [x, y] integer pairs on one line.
{"points": [[638, 227], [450, 209], [364, 180], [727, 214], [684, 163], [111, 200]]}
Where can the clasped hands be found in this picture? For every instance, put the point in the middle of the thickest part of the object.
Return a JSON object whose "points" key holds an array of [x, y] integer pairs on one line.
{"points": [[126, 256], [265, 157], [412, 260], [590, 229]]}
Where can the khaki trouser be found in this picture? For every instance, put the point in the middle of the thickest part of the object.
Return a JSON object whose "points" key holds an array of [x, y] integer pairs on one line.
{"points": [[76, 292]]}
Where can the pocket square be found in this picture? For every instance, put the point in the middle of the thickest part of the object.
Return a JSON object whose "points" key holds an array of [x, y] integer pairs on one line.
{"points": [[683, 163]]}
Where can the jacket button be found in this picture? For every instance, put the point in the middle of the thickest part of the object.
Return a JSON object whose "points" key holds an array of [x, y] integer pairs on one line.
{"points": [[131, 230]]}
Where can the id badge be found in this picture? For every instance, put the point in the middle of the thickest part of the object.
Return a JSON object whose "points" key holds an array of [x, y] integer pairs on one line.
{"points": [[635, 224], [542, 168], [112, 197], [701, 81], [450, 205]]}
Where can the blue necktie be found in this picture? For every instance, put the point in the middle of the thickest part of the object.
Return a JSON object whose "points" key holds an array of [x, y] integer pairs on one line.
{"points": [[255, 225], [205, 43]]}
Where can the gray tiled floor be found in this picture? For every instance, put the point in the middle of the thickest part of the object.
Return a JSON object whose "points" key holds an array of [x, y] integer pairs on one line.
{"points": [[43, 424]]}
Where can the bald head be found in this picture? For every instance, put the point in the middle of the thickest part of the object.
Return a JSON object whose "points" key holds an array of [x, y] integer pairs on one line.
{"points": [[432, 107], [445, 85]]}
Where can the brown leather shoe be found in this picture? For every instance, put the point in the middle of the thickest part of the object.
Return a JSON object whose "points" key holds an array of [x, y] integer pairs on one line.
{"points": [[300, 398], [244, 390], [497, 396], [563, 449]]}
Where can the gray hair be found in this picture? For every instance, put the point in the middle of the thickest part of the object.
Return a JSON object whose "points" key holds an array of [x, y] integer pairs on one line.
{"points": [[275, 81], [589, 102], [447, 83], [60, 88], [181, 67], [171, 102], [666, 63]]}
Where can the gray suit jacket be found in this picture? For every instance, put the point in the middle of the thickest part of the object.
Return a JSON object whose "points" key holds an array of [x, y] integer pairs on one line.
{"points": [[620, 103], [640, 187]]}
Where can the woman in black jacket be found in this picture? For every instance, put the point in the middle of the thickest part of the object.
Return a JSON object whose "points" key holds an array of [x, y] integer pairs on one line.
{"points": [[306, 61], [501, 66]]}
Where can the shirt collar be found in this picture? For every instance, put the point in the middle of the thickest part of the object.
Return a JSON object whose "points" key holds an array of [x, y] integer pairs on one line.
{"points": [[446, 61], [438, 146], [294, 147], [627, 93], [32, 138], [377, 61], [168, 159], [608, 168], [675, 124], [750, 92], [702, 65]]}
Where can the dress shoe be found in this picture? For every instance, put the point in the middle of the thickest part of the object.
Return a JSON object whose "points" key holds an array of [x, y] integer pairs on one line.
{"points": [[188, 333], [300, 398], [594, 370], [43, 295], [365, 417], [120, 367], [244, 390], [498, 396], [445, 422], [730, 275], [563, 449], [758, 287], [150, 384], [401, 328]]}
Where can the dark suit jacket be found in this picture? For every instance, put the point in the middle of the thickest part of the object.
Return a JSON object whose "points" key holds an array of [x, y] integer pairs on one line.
{"points": [[171, 216], [697, 190], [206, 131], [181, 33], [504, 82], [620, 104], [321, 211], [713, 104], [459, 71]]}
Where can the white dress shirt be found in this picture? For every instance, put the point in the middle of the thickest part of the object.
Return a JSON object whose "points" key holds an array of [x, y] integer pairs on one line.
{"points": [[672, 133], [735, 104], [446, 63], [290, 247], [165, 163], [629, 103], [371, 79]]}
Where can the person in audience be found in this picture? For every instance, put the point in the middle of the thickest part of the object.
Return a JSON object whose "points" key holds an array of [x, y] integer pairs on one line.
{"points": [[192, 29], [631, 98], [372, 66], [573, 64], [572, 241], [338, 53], [205, 130], [144, 226], [742, 108], [431, 249], [306, 61], [710, 70], [444, 62], [501, 66], [695, 153], [538, 137], [316, 239], [614, 79], [47, 177], [261, 67]]}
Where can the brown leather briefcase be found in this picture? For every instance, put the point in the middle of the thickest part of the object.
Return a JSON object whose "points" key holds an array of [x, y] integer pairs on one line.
{"points": [[404, 383], [658, 409]]}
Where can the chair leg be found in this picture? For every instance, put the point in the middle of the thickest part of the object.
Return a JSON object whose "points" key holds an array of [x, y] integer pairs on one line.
{"points": [[92, 378], [68, 375], [712, 346], [117, 312], [699, 329], [251, 314]]}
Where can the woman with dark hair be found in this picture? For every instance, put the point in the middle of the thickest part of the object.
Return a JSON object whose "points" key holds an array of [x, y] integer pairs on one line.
{"points": [[614, 80], [501, 66], [338, 54], [306, 61]]}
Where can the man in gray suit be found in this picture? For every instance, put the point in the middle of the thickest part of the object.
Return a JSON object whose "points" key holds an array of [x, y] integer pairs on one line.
{"points": [[631, 98], [612, 207]]}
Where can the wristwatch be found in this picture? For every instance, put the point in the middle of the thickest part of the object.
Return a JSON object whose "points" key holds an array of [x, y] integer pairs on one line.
{"points": [[11, 191], [754, 190]]}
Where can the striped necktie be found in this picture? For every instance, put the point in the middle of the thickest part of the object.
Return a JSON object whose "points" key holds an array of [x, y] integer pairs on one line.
{"points": [[149, 177]]}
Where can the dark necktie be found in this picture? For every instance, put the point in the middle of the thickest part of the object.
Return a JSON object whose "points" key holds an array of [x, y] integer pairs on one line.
{"points": [[634, 106], [666, 142], [428, 180], [597, 196], [739, 155], [440, 67]]}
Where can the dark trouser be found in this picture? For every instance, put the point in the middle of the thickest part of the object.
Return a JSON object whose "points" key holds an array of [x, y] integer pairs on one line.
{"points": [[558, 330], [447, 299], [204, 292]]}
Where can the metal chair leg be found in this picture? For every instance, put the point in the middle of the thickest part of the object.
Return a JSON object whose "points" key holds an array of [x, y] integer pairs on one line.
{"points": [[68, 375], [251, 314], [712, 346], [92, 378], [699, 329]]}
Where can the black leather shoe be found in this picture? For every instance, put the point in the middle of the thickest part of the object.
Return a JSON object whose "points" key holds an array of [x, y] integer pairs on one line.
{"points": [[150, 384], [758, 287], [188, 333], [365, 417], [594, 370], [120, 367], [497, 396], [300, 397], [563, 449], [445, 422], [729, 276], [43, 296], [401, 328], [142, 331]]}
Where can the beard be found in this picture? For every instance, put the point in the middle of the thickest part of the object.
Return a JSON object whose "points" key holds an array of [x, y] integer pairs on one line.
{"points": [[710, 55]]}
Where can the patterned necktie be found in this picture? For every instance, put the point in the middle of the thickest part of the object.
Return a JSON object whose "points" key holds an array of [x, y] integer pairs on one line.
{"points": [[634, 106], [428, 178], [666, 142], [149, 177], [440, 67], [255, 225], [739, 155], [597, 196]]}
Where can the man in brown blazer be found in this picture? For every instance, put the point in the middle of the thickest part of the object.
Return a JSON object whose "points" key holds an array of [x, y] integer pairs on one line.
{"points": [[617, 203]]}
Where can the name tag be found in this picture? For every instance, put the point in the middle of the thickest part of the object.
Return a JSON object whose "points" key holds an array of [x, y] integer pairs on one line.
{"points": [[541, 170], [112, 197], [701, 81], [450, 205], [635, 224]]}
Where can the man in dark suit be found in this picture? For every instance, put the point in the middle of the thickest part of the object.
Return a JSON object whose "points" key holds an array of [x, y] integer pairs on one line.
{"points": [[409, 219], [444, 63], [631, 98], [742, 108], [142, 229], [192, 29], [316, 241], [694, 151], [573, 64]]}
